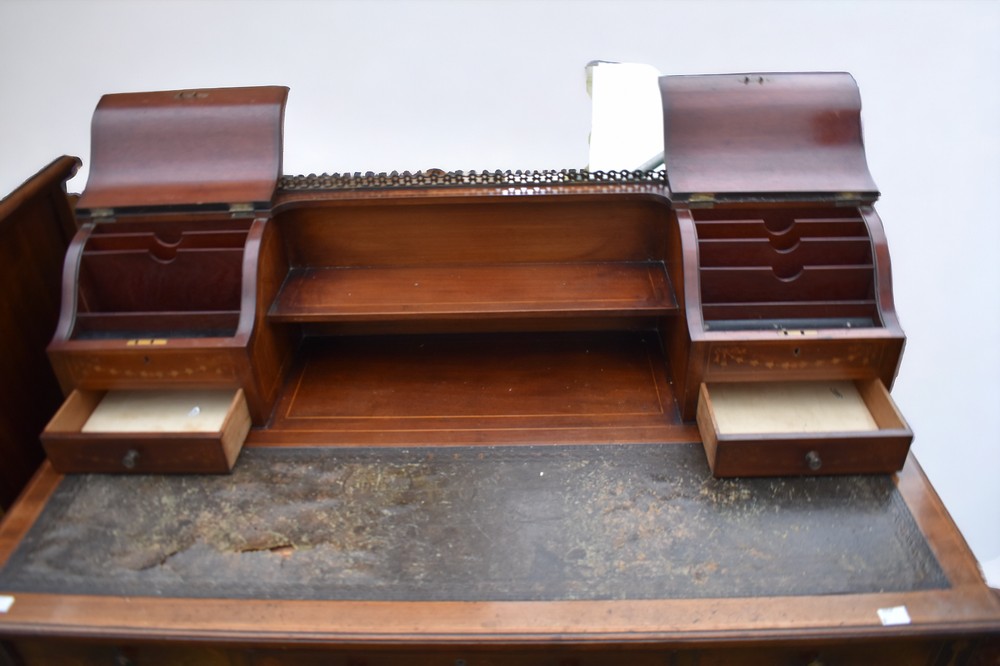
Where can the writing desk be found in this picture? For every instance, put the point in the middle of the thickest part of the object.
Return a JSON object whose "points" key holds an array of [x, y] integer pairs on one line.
{"points": [[479, 413]]}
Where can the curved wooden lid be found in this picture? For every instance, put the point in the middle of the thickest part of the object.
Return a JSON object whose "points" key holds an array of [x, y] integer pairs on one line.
{"points": [[764, 136], [186, 148]]}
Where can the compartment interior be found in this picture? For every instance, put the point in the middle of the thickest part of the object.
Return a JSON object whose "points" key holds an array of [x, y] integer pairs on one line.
{"points": [[476, 320], [157, 411], [778, 428], [163, 279], [785, 268], [466, 261], [790, 407], [538, 388], [143, 411]]}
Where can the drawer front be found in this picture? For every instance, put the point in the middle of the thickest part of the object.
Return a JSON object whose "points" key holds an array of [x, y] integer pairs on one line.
{"points": [[161, 454], [799, 356], [817, 456], [148, 363]]}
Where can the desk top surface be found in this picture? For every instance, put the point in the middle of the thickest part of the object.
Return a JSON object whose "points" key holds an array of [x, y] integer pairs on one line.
{"points": [[523, 523], [516, 544]]}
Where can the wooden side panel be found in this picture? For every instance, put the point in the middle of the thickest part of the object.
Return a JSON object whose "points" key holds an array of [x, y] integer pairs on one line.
{"points": [[887, 308], [36, 224], [271, 347], [686, 349]]}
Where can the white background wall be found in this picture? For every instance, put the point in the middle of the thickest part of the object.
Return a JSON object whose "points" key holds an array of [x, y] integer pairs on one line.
{"points": [[485, 85]]}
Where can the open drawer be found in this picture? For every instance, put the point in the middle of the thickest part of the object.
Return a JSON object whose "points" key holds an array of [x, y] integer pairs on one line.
{"points": [[795, 428], [143, 431]]}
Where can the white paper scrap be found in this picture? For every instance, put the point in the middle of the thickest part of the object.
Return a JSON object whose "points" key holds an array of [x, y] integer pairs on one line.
{"points": [[5, 603], [893, 616]]}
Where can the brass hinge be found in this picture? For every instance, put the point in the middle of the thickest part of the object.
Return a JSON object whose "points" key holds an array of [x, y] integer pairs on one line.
{"points": [[702, 200], [102, 214], [847, 198], [241, 210]]}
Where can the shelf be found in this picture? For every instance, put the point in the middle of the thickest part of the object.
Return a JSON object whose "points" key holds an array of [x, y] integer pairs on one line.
{"points": [[767, 284], [463, 292], [790, 315], [531, 388], [715, 253]]}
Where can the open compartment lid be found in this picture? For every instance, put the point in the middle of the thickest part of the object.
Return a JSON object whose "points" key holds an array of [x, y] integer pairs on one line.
{"points": [[764, 137], [186, 149]]}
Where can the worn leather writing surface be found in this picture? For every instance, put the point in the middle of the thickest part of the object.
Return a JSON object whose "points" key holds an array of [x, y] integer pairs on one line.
{"points": [[473, 523]]}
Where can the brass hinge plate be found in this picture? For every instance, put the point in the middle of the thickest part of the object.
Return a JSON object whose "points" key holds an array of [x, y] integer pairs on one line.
{"points": [[241, 210], [701, 200]]}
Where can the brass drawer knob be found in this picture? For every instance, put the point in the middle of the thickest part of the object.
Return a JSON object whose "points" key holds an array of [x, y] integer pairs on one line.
{"points": [[130, 459], [813, 460]]}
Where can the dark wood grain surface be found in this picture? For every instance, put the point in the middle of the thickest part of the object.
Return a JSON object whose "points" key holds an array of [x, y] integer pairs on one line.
{"points": [[531, 388], [36, 225], [770, 135], [186, 148]]}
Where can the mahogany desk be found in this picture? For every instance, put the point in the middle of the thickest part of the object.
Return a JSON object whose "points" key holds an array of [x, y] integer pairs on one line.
{"points": [[530, 550], [478, 404]]}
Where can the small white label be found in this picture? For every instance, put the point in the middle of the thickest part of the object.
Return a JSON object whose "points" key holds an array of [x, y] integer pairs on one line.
{"points": [[893, 616], [5, 603]]}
